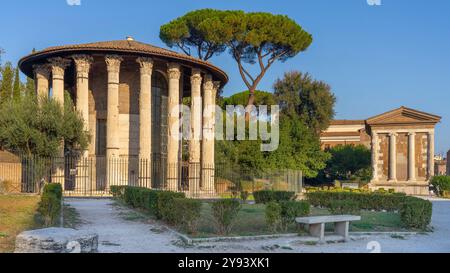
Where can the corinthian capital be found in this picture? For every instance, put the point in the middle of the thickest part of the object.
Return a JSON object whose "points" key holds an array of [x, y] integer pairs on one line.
{"points": [[113, 63], [58, 65], [173, 71], [83, 63], [208, 85], [216, 87], [146, 65], [196, 78], [42, 71]]}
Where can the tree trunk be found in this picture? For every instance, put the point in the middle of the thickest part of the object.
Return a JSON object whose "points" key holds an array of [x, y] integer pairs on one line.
{"points": [[251, 102]]}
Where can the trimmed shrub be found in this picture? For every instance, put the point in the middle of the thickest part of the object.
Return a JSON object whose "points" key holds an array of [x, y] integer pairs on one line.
{"points": [[187, 213], [441, 184], [117, 191], [342, 207], [165, 206], [266, 196], [225, 212], [50, 205], [416, 213], [291, 210], [273, 216]]}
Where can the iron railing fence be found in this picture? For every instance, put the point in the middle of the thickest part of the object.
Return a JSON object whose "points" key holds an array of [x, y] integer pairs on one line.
{"points": [[94, 176]]}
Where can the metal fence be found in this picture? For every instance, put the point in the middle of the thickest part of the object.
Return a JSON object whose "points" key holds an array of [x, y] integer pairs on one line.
{"points": [[94, 176]]}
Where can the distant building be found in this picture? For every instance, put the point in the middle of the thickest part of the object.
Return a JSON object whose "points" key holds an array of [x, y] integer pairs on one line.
{"points": [[402, 144], [440, 165]]}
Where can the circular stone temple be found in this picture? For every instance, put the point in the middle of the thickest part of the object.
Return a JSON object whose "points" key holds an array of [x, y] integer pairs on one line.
{"points": [[130, 95]]}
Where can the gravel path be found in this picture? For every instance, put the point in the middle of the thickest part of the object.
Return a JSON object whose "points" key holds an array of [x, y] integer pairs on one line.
{"points": [[121, 230]]}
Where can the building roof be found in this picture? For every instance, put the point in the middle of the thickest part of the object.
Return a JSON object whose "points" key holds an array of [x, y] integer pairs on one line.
{"points": [[347, 122], [128, 46], [403, 115]]}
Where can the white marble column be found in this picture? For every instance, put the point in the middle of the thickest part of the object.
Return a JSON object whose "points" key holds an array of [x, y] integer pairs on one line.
{"points": [[42, 76], [83, 66], [393, 157], [208, 140], [430, 155], [411, 157], [196, 132], [375, 156], [58, 66], [173, 140], [112, 124], [145, 121]]}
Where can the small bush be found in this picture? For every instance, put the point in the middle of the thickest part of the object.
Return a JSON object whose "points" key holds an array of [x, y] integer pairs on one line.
{"points": [[117, 191], [342, 207], [264, 197], [273, 216], [187, 213], [441, 184], [50, 205], [224, 213], [416, 213], [244, 196], [291, 210], [166, 207]]}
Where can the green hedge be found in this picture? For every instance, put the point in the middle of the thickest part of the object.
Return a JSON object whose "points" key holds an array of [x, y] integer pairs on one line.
{"points": [[187, 213], [49, 207], [225, 212], [159, 203], [414, 212], [442, 184], [266, 196], [282, 214]]}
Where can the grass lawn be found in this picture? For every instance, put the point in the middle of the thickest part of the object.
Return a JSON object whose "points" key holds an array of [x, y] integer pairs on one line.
{"points": [[251, 221], [17, 213]]}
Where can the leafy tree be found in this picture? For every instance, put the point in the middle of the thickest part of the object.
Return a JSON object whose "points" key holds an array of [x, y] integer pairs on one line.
{"points": [[299, 95], [29, 86], [195, 32], [16, 93], [252, 38], [6, 87], [32, 128], [349, 162], [261, 98]]}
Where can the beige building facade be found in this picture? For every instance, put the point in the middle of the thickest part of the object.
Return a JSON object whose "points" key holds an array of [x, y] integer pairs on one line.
{"points": [[402, 143], [129, 95]]}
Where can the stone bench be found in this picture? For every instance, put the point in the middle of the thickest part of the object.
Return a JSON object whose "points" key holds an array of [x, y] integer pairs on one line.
{"points": [[317, 224], [56, 240]]}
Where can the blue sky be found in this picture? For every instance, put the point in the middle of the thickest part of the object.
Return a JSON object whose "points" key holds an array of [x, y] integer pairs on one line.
{"points": [[376, 58]]}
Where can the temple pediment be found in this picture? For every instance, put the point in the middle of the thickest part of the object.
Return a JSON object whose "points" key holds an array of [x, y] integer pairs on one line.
{"points": [[403, 115]]}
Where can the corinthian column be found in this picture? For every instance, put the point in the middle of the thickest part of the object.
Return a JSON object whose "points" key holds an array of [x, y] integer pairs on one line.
{"points": [[411, 157], [83, 65], [174, 126], [42, 75], [196, 131], [112, 124], [375, 156], [145, 121], [58, 66], [392, 157], [208, 136], [430, 155]]}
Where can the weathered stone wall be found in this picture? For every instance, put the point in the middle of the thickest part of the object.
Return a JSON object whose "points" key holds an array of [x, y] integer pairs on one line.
{"points": [[402, 156]]}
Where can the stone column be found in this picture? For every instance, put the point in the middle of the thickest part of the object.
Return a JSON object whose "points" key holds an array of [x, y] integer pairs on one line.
{"points": [[112, 123], [430, 155], [58, 66], [196, 132], [412, 157], [392, 157], [145, 121], [42, 75], [208, 137], [375, 156], [174, 126], [83, 66]]}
